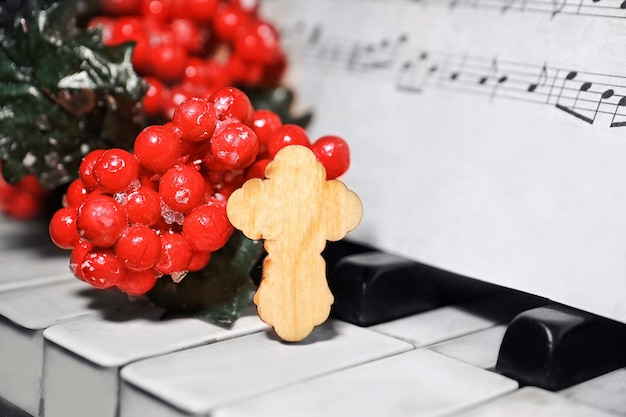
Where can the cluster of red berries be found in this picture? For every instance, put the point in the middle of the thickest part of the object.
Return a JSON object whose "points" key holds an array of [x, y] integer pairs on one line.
{"points": [[131, 218], [22, 200], [189, 48]]}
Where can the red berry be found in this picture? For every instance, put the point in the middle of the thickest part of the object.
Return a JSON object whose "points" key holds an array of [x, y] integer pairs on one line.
{"points": [[24, 205], [228, 22], [207, 228], [153, 100], [264, 123], [333, 152], [258, 42], [202, 10], [187, 34], [157, 147], [76, 193], [181, 188], [115, 170], [101, 220], [231, 103], [62, 228], [199, 260], [169, 61], [287, 135], [77, 256], [101, 268], [135, 283], [175, 254], [161, 10], [143, 206], [195, 118], [216, 74], [257, 169], [138, 248], [85, 170], [235, 146], [126, 28]]}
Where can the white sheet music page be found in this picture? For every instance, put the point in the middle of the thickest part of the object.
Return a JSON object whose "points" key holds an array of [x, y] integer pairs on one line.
{"points": [[488, 137]]}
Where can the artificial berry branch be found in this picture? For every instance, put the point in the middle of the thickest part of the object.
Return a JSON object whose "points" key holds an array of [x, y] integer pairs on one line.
{"points": [[132, 218]]}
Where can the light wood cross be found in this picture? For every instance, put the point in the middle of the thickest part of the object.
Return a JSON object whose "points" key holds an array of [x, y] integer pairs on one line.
{"points": [[296, 210]]}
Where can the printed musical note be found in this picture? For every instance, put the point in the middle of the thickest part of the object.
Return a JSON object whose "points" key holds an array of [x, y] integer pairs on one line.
{"points": [[379, 56], [414, 74], [622, 121], [493, 74], [586, 103], [541, 81]]}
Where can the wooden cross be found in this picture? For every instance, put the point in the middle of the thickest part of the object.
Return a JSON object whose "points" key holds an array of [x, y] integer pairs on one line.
{"points": [[296, 210]]}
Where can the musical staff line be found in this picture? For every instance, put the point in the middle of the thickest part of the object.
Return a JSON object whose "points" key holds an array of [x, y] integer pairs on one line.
{"points": [[590, 8], [583, 95]]}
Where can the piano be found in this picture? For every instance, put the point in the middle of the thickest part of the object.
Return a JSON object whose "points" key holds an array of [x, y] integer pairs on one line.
{"points": [[485, 280]]}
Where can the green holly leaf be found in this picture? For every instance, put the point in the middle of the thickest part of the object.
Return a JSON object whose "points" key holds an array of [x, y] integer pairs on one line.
{"points": [[62, 94], [221, 291]]}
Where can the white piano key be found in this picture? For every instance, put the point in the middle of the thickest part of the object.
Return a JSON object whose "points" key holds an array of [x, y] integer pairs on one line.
{"points": [[33, 266], [478, 349], [15, 234], [195, 381], [606, 392], [24, 314], [100, 346], [535, 402], [419, 383], [448, 322]]}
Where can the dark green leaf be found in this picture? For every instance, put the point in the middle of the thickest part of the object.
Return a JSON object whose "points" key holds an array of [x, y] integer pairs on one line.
{"points": [[62, 94], [220, 291]]}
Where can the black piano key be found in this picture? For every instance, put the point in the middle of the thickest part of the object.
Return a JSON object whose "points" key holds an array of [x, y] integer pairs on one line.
{"points": [[9, 410], [376, 287], [554, 347]]}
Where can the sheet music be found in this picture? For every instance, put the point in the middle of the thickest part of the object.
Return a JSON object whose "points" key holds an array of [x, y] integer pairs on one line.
{"points": [[488, 137]]}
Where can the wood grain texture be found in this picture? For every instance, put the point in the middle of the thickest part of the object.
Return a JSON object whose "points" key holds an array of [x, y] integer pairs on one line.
{"points": [[295, 210]]}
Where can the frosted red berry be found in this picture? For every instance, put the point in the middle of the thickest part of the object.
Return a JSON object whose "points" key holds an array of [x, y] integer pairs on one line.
{"points": [[195, 118], [101, 268], [138, 248], [62, 228], [101, 220], [135, 283], [157, 147], [207, 228], [181, 188], [175, 254], [143, 206], [333, 152], [77, 256], [231, 103], [115, 170], [288, 134], [235, 146]]}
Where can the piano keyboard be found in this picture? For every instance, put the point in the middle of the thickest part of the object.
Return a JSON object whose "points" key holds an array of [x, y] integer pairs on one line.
{"points": [[67, 350]]}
